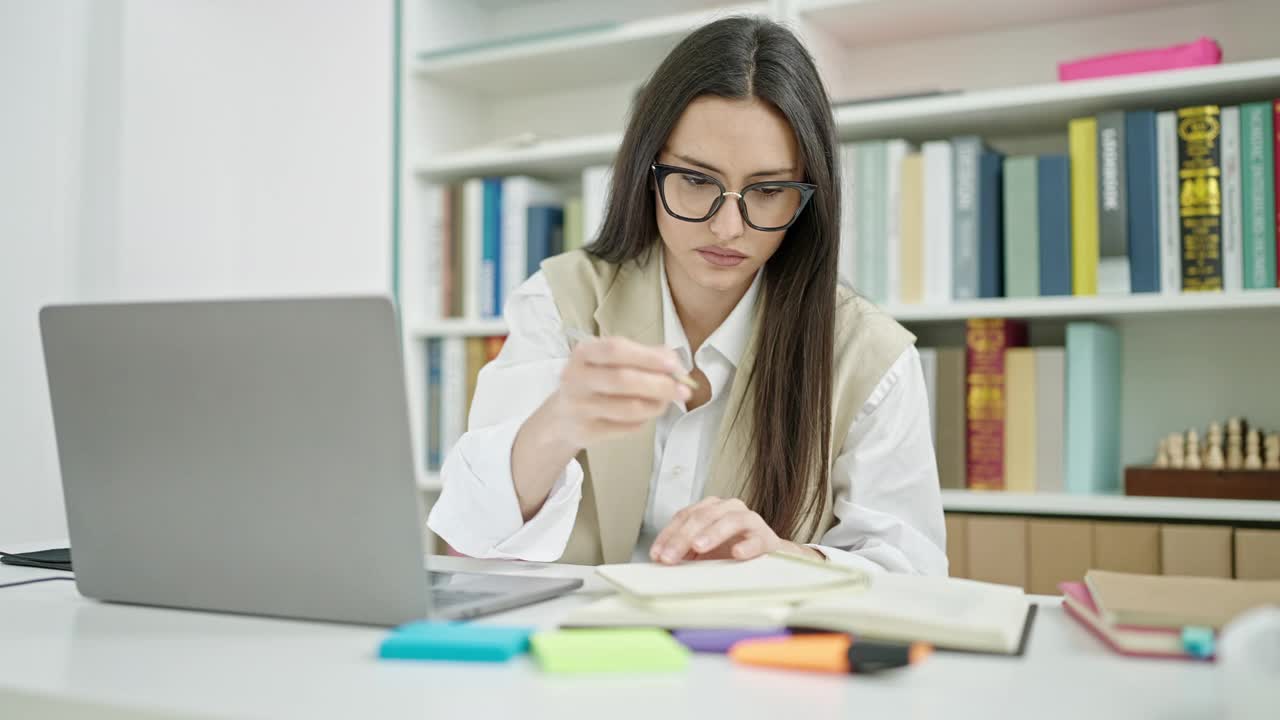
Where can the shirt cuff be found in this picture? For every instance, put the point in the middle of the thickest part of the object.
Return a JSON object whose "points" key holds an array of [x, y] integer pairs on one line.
{"points": [[848, 559], [478, 513]]}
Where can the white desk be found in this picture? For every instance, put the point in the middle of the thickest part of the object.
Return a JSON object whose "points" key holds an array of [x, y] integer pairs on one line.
{"points": [[54, 642]]}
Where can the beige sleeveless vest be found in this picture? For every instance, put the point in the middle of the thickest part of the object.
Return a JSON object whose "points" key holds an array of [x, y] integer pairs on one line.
{"points": [[606, 299]]}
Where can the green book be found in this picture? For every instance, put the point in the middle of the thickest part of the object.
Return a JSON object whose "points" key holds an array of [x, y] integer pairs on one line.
{"points": [[1021, 227], [597, 650], [871, 273], [573, 223], [1093, 409], [1257, 173]]}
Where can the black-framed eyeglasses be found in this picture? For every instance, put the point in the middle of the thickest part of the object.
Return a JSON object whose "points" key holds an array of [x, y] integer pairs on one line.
{"points": [[693, 196]]}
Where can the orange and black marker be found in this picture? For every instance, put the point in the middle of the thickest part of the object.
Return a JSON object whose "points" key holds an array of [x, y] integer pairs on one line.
{"points": [[828, 652]]}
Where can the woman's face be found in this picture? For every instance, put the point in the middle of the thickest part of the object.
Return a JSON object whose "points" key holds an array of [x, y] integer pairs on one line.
{"points": [[738, 142]]}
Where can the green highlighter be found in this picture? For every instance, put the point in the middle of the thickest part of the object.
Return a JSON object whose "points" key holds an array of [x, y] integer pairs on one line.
{"points": [[608, 650]]}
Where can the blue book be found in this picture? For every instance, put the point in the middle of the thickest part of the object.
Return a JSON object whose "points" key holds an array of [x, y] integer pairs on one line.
{"points": [[466, 642], [491, 257], [431, 426], [1053, 186], [546, 235], [990, 221], [1093, 409], [1142, 186]]}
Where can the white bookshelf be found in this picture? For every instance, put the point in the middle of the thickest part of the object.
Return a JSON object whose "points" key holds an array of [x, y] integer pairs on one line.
{"points": [[1112, 506], [596, 54], [461, 328], [1030, 109], [1100, 307], [550, 107]]}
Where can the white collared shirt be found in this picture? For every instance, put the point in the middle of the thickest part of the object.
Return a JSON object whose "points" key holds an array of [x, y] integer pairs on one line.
{"points": [[888, 506]]}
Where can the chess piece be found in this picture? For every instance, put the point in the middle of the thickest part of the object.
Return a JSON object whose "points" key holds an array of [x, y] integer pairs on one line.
{"points": [[1235, 444], [1252, 460], [1162, 453], [1176, 457], [1193, 461], [1273, 452], [1213, 457]]}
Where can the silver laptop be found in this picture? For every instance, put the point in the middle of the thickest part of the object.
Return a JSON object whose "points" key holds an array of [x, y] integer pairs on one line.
{"points": [[249, 457]]}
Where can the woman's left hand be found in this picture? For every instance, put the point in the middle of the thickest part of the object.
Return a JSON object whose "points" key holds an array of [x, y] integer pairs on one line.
{"points": [[719, 529]]}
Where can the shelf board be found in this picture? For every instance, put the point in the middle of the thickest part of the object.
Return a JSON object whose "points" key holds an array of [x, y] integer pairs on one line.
{"points": [[1100, 306], [620, 52], [992, 113], [1057, 504], [547, 158], [1119, 506], [868, 23], [1048, 107], [456, 327]]}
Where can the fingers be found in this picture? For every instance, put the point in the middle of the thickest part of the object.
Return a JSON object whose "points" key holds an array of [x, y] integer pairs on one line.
{"points": [[630, 382], [754, 545], [681, 535], [621, 352], [725, 529]]}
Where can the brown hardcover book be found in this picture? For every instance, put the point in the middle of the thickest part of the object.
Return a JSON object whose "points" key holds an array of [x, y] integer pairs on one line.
{"points": [[987, 341], [448, 228], [493, 346], [456, 269], [1059, 551], [1200, 196], [1126, 547], [952, 430], [997, 549], [1199, 550]]}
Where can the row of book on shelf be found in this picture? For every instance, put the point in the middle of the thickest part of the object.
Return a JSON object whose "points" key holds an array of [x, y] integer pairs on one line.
{"points": [[1143, 202], [1007, 416], [1004, 415], [482, 237]]}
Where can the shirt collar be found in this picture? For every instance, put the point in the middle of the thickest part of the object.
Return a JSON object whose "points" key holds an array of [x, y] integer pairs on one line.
{"points": [[730, 339]]}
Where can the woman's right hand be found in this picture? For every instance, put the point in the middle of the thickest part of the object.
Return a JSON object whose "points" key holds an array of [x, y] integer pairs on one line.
{"points": [[613, 386]]}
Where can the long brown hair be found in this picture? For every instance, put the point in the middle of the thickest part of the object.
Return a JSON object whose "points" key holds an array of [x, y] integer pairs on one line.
{"points": [[790, 382]]}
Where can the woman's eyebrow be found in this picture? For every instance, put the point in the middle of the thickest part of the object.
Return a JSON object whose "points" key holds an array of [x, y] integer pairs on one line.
{"points": [[714, 169]]}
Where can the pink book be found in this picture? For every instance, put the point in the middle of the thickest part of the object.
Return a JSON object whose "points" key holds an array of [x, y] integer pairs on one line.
{"points": [[1204, 51], [1132, 640]]}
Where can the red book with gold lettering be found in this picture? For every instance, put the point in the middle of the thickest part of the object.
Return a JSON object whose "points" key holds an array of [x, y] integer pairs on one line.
{"points": [[986, 342]]}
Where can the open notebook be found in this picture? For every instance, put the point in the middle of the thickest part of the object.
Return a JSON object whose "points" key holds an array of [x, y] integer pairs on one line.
{"points": [[776, 591]]}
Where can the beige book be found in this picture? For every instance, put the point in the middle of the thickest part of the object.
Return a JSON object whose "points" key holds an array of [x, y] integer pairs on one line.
{"points": [[911, 229], [947, 612], [1020, 420], [1176, 601], [776, 576]]}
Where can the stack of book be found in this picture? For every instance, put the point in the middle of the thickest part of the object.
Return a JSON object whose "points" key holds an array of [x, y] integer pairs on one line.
{"points": [[453, 368], [482, 237], [1175, 201], [1148, 615]]}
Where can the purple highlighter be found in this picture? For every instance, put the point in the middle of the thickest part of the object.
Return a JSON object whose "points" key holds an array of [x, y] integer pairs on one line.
{"points": [[719, 641]]}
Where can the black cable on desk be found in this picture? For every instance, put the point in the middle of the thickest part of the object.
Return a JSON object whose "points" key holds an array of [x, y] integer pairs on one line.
{"points": [[36, 580]]}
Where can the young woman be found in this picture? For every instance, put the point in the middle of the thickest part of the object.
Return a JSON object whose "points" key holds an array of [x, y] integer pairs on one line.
{"points": [[809, 428]]}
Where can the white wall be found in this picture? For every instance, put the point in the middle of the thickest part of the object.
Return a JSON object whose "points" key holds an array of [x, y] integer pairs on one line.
{"points": [[41, 67], [178, 148]]}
